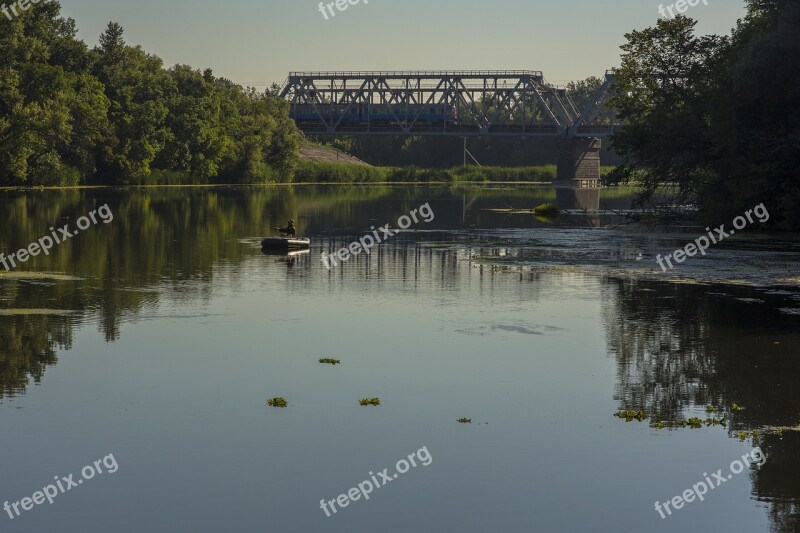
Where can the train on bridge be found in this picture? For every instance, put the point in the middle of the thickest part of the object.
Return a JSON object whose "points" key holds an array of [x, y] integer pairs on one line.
{"points": [[449, 103]]}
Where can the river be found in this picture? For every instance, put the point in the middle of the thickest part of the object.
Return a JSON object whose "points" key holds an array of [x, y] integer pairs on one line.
{"points": [[159, 336]]}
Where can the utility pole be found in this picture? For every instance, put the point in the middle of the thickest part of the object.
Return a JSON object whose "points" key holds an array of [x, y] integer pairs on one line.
{"points": [[468, 153]]}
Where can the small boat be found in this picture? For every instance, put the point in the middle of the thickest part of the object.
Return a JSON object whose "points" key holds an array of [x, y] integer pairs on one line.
{"points": [[285, 243]]}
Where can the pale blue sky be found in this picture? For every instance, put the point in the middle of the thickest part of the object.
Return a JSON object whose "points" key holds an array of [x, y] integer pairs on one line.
{"points": [[256, 42]]}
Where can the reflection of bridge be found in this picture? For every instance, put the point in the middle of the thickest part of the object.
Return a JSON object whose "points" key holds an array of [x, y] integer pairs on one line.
{"points": [[454, 103]]}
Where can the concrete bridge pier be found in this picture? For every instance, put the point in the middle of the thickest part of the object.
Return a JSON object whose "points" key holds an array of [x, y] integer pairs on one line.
{"points": [[579, 163]]}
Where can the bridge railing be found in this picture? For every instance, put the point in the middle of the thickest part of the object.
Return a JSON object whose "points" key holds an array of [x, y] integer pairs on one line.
{"points": [[417, 74]]}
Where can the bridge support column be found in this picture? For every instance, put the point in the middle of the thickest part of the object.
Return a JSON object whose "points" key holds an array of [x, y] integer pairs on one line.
{"points": [[579, 163]]}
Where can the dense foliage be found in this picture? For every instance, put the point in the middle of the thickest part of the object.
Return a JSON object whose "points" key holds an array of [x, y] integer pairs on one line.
{"points": [[446, 152], [112, 114], [715, 121]]}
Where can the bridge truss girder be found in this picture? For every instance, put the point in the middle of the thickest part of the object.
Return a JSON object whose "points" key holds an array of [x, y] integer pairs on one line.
{"points": [[471, 103], [598, 119]]}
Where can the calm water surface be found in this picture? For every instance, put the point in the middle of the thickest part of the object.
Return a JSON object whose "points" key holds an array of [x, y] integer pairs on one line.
{"points": [[167, 329]]}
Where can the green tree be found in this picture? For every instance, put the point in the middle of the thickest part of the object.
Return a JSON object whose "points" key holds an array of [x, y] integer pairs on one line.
{"points": [[663, 94], [195, 143], [581, 92], [135, 83], [713, 120], [756, 120], [52, 113]]}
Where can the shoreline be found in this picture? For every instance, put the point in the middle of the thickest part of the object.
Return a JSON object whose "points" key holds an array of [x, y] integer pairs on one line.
{"points": [[302, 183]]}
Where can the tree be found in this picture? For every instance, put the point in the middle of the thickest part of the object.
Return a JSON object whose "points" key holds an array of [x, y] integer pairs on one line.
{"points": [[756, 120], [113, 114], [581, 92], [196, 143], [663, 91], [51, 112], [713, 120], [136, 84]]}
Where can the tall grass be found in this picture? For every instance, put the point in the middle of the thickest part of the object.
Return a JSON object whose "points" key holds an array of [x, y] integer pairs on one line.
{"points": [[316, 172]]}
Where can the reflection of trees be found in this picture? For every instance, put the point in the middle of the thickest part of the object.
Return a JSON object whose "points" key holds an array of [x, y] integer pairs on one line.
{"points": [[657, 344], [680, 346], [162, 243], [677, 346], [778, 481], [27, 347]]}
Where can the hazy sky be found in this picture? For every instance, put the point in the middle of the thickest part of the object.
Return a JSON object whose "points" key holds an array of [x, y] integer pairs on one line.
{"points": [[256, 42]]}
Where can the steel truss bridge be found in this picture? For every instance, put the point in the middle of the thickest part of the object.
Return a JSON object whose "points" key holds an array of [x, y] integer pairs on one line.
{"points": [[452, 103]]}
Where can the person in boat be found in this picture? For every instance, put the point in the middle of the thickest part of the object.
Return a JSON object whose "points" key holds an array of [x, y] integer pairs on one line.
{"points": [[289, 230]]}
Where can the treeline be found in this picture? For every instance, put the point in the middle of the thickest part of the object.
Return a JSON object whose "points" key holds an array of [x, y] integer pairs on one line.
{"points": [[447, 152], [113, 114], [714, 121]]}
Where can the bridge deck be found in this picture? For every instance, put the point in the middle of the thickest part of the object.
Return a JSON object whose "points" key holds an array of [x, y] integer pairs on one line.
{"points": [[409, 74]]}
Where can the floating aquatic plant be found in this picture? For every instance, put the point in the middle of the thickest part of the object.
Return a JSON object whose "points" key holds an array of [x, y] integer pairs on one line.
{"points": [[694, 422], [547, 209], [328, 361], [661, 424], [631, 415], [277, 402], [370, 401], [711, 409], [735, 407], [465, 421]]}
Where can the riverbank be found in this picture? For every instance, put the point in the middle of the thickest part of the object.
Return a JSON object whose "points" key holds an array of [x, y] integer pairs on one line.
{"points": [[325, 173], [317, 172]]}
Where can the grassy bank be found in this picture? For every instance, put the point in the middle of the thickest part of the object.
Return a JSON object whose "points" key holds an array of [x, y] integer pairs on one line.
{"points": [[309, 172], [345, 173]]}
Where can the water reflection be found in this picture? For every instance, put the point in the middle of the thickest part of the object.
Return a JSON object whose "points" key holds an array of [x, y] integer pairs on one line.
{"points": [[584, 199], [677, 347], [166, 244], [682, 347], [28, 346]]}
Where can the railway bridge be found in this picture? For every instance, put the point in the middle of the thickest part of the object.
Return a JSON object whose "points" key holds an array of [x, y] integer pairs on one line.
{"points": [[494, 103]]}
